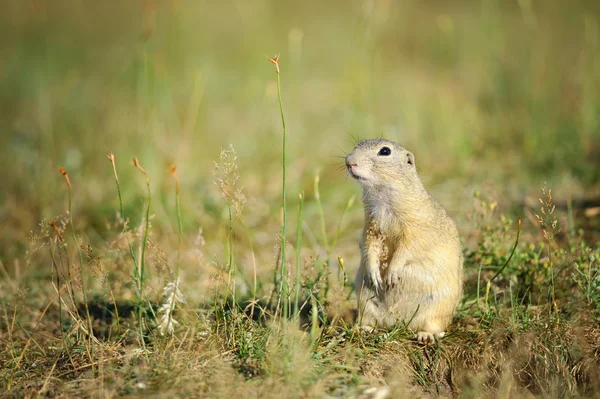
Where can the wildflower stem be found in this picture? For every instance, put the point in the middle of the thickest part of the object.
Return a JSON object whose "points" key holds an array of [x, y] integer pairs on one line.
{"points": [[144, 246], [231, 260], [180, 225], [143, 257], [173, 171], [512, 252], [283, 288], [82, 275], [111, 157], [322, 217], [180, 241], [314, 319], [298, 248], [552, 292], [339, 228], [55, 270]]}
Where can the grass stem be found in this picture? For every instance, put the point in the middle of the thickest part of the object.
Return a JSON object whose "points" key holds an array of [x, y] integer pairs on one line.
{"points": [[90, 346], [512, 252], [142, 262], [298, 250], [283, 287], [322, 217]]}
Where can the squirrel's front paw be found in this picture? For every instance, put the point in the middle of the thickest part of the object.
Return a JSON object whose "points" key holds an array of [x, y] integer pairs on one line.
{"points": [[392, 277], [375, 281], [427, 338]]}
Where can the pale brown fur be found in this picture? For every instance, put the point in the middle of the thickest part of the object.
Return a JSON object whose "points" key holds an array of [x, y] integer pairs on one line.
{"points": [[411, 257]]}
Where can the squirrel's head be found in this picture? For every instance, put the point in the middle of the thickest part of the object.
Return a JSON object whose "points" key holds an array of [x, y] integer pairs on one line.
{"points": [[381, 162]]}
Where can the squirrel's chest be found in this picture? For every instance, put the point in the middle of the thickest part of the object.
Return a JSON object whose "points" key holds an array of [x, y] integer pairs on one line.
{"points": [[384, 216]]}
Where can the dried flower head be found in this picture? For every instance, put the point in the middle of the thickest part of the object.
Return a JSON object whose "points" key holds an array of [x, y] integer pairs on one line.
{"points": [[56, 229], [111, 158], [172, 295], [64, 173], [226, 177], [173, 172], [275, 61], [137, 164], [546, 218]]}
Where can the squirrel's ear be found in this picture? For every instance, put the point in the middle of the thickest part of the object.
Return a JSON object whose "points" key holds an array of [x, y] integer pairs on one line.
{"points": [[410, 158]]}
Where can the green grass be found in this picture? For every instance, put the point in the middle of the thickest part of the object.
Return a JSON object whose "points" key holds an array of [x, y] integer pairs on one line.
{"points": [[495, 99]]}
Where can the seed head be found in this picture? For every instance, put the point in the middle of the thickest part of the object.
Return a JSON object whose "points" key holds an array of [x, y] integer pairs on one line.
{"points": [[275, 61], [64, 173], [173, 172], [137, 164], [56, 229]]}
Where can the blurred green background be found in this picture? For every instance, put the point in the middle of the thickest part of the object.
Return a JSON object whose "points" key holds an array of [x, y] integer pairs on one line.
{"points": [[500, 94]]}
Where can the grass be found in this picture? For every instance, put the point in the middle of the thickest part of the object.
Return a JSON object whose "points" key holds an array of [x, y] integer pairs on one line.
{"points": [[188, 289], [283, 284]]}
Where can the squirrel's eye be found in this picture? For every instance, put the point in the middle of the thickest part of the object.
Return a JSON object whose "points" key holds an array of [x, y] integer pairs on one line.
{"points": [[384, 151]]}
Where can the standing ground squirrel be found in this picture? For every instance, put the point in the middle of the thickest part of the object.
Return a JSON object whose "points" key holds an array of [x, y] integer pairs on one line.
{"points": [[411, 265]]}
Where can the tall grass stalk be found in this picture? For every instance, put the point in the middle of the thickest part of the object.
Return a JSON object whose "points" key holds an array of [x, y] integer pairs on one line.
{"points": [[254, 276], [173, 171], [552, 284], [90, 346], [327, 263], [141, 272], [339, 228], [322, 217], [298, 250], [111, 157], [231, 257], [283, 287], [66, 265], [344, 279], [55, 270], [314, 324], [135, 274], [512, 252], [549, 224]]}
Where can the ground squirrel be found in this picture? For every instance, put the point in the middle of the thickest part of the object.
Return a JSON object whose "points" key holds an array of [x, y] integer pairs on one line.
{"points": [[411, 257]]}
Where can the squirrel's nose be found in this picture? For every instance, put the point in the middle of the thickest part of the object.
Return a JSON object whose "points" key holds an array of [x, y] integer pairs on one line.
{"points": [[349, 162]]}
